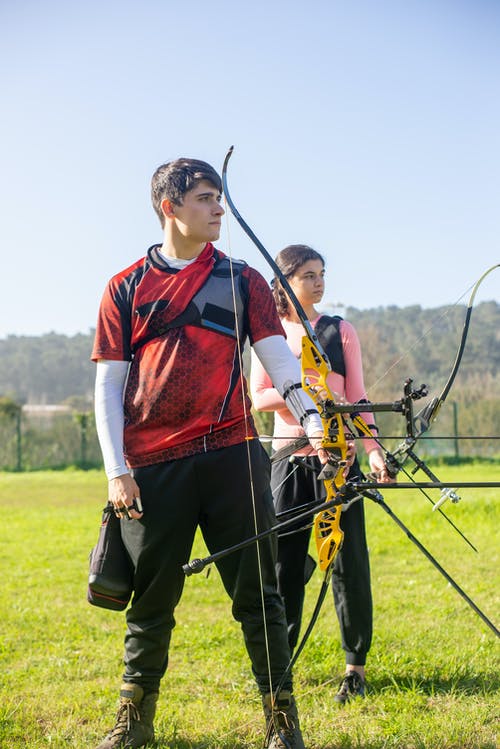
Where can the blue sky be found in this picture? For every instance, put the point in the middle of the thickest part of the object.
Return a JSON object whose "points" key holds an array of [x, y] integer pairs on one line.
{"points": [[370, 130]]}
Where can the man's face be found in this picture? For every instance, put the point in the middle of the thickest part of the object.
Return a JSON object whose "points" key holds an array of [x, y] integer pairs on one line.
{"points": [[199, 216]]}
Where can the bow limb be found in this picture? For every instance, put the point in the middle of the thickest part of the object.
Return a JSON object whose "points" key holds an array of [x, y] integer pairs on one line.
{"points": [[465, 331], [283, 280], [422, 421], [315, 368], [429, 413]]}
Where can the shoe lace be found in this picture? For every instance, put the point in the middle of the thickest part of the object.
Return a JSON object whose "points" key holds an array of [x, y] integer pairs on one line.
{"points": [[127, 713], [350, 683], [282, 726]]}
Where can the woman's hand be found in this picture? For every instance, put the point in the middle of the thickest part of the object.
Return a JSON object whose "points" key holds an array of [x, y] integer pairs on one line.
{"points": [[378, 467]]}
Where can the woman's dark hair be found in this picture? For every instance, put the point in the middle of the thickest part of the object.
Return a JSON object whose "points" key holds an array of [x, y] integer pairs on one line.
{"points": [[174, 179], [289, 260]]}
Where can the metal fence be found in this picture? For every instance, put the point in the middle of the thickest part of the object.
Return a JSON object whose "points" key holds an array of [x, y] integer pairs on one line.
{"points": [[53, 437], [48, 437]]}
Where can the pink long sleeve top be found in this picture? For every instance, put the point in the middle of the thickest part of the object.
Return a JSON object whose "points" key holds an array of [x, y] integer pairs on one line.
{"points": [[351, 387]]}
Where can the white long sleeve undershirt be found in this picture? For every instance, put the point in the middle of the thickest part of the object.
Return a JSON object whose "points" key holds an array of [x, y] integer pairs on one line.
{"points": [[110, 380], [284, 368], [275, 356]]}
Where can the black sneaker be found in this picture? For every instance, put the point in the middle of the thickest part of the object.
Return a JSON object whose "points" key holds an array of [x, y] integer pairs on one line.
{"points": [[351, 686]]}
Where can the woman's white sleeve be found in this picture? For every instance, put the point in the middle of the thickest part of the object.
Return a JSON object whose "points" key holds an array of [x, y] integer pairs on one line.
{"points": [[284, 370], [109, 385]]}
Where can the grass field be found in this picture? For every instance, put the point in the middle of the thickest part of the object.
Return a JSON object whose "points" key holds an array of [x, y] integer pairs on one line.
{"points": [[433, 669]]}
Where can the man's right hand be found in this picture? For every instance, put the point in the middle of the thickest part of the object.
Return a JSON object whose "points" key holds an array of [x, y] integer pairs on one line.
{"points": [[123, 492]]}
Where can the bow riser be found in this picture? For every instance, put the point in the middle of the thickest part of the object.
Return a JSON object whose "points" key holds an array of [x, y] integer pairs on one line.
{"points": [[327, 532]]}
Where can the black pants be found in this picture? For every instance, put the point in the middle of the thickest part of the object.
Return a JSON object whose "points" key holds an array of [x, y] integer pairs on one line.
{"points": [[351, 570], [210, 490]]}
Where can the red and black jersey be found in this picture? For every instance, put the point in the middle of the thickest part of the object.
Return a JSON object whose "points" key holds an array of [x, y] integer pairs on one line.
{"points": [[179, 329]]}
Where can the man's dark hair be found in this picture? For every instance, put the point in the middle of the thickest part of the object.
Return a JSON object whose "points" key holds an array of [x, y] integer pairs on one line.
{"points": [[175, 178], [289, 260]]}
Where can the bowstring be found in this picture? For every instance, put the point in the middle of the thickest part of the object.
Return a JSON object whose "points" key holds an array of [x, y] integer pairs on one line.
{"points": [[248, 438]]}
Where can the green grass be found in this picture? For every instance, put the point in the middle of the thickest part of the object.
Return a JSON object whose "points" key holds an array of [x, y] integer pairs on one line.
{"points": [[433, 669]]}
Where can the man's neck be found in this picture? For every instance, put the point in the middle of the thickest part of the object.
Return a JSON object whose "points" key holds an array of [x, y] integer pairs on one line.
{"points": [[181, 248]]}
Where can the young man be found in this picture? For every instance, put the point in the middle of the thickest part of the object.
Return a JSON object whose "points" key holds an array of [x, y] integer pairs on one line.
{"points": [[173, 420]]}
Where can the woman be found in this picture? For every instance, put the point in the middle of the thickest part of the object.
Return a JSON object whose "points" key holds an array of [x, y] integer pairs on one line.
{"points": [[293, 485]]}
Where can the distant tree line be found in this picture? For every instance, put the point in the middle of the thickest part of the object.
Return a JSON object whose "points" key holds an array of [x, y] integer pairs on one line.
{"points": [[397, 344]]}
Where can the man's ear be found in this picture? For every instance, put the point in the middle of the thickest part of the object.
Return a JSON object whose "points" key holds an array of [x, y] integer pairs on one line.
{"points": [[167, 208]]}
